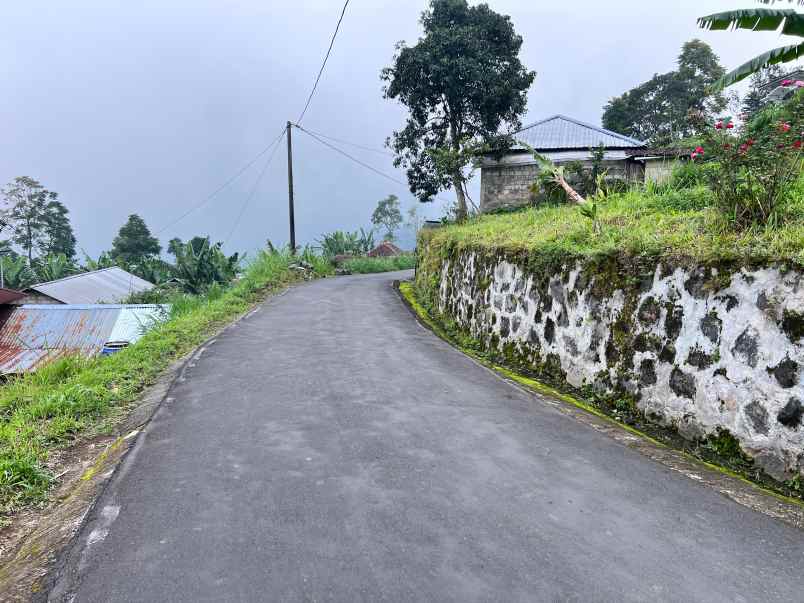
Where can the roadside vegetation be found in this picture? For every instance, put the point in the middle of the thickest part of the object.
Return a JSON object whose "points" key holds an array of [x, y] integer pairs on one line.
{"points": [[406, 261], [73, 397]]}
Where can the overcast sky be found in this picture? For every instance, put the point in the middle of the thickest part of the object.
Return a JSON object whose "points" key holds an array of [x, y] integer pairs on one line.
{"points": [[147, 107]]}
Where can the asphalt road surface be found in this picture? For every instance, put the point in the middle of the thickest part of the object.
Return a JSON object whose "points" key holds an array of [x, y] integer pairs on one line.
{"points": [[328, 448]]}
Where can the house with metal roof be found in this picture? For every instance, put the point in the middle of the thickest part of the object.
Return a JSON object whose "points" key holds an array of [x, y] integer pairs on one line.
{"points": [[33, 335], [506, 181], [108, 286]]}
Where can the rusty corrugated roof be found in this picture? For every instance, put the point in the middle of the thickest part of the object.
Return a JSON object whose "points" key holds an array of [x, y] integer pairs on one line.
{"points": [[34, 334], [9, 295]]}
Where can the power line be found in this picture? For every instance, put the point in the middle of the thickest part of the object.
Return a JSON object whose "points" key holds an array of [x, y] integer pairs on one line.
{"points": [[356, 160], [353, 144], [253, 189], [324, 64], [212, 195]]}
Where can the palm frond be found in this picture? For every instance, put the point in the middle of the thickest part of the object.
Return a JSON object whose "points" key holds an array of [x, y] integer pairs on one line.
{"points": [[783, 54]]}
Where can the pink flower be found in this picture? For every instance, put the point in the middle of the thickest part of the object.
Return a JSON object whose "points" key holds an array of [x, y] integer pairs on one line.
{"points": [[699, 150], [694, 156], [729, 125], [743, 148], [797, 144], [787, 83], [719, 125], [798, 84], [784, 127]]}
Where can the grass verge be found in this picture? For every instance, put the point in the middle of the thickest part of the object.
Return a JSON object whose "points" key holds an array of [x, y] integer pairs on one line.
{"points": [[653, 223], [367, 265], [715, 453], [43, 411]]}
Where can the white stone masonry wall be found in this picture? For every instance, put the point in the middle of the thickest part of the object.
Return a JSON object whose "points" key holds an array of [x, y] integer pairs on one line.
{"points": [[697, 358]]}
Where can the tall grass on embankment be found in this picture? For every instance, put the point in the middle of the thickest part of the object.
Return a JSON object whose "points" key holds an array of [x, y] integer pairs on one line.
{"points": [[366, 265], [42, 411]]}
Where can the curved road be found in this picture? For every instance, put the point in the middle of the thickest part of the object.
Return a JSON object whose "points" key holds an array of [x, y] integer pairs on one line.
{"points": [[328, 448]]}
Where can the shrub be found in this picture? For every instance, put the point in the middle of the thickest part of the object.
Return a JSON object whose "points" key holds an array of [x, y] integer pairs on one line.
{"points": [[751, 173]]}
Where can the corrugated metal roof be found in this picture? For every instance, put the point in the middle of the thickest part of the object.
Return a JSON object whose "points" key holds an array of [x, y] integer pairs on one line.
{"points": [[561, 132], [9, 295], [34, 334], [110, 285]]}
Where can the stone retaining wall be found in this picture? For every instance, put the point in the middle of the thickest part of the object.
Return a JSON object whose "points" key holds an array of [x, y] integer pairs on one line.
{"points": [[701, 349]]}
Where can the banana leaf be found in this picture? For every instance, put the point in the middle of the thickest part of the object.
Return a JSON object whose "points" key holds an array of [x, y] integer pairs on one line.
{"points": [[784, 54], [756, 19]]}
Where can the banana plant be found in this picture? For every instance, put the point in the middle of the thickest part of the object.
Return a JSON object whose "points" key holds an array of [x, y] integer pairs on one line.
{"points": [[555, 173], [787, 20], [52, 267]]}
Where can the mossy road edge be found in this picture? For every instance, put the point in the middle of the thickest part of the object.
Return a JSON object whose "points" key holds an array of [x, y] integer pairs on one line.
{"points": [[720, 479]]}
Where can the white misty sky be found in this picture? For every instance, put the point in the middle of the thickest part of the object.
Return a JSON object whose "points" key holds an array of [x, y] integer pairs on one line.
{"points": [[147, 107]]}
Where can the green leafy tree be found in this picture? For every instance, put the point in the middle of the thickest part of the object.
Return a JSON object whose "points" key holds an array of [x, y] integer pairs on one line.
{"points": [[754, 99], [134, 241], [57, 236], [786, 20], [462, 82], [388, 215], [27, 203], [658, 111]]}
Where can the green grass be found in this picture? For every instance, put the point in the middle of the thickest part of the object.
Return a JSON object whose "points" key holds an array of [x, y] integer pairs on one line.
{"points": [[646, 223], [365, 265], [43, 411]]}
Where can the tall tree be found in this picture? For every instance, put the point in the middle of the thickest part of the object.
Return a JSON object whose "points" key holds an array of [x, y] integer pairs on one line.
{"points": [[57, 236], [134, 241], [786, 20], [387, 215], [462, 83], [658, 110], [26, 204], [754, 99]]}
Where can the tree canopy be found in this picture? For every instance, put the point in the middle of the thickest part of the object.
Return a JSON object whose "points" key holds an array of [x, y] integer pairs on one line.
{"points": [[658, 110], [57, 237], [388, 215], [38, 221], [134, 241], [462, 82]]}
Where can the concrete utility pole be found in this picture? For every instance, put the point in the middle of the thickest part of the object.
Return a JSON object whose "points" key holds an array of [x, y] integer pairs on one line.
{"points": [[290, 191]]}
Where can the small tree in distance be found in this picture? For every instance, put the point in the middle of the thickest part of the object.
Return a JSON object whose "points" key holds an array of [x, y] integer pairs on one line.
{"points": [[388, 216], [134, 241], [26, 207]]}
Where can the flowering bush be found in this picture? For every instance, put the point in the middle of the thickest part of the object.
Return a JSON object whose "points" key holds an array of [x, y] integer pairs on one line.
{"points": [[751, 169]]}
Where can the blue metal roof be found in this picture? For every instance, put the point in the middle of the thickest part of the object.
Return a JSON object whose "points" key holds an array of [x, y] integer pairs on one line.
{"points": [[34, 334], [561, 132]]}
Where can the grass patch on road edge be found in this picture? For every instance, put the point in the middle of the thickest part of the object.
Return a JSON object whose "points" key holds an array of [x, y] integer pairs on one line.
{"points": [[43, 411], [772, 488]]}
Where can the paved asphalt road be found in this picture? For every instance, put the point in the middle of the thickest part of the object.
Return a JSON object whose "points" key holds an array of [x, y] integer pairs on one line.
{"points": [[328, 448]]}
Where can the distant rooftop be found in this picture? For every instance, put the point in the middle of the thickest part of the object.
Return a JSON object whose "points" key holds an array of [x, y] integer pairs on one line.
{"points": [[562, 132], [110, 285]]}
